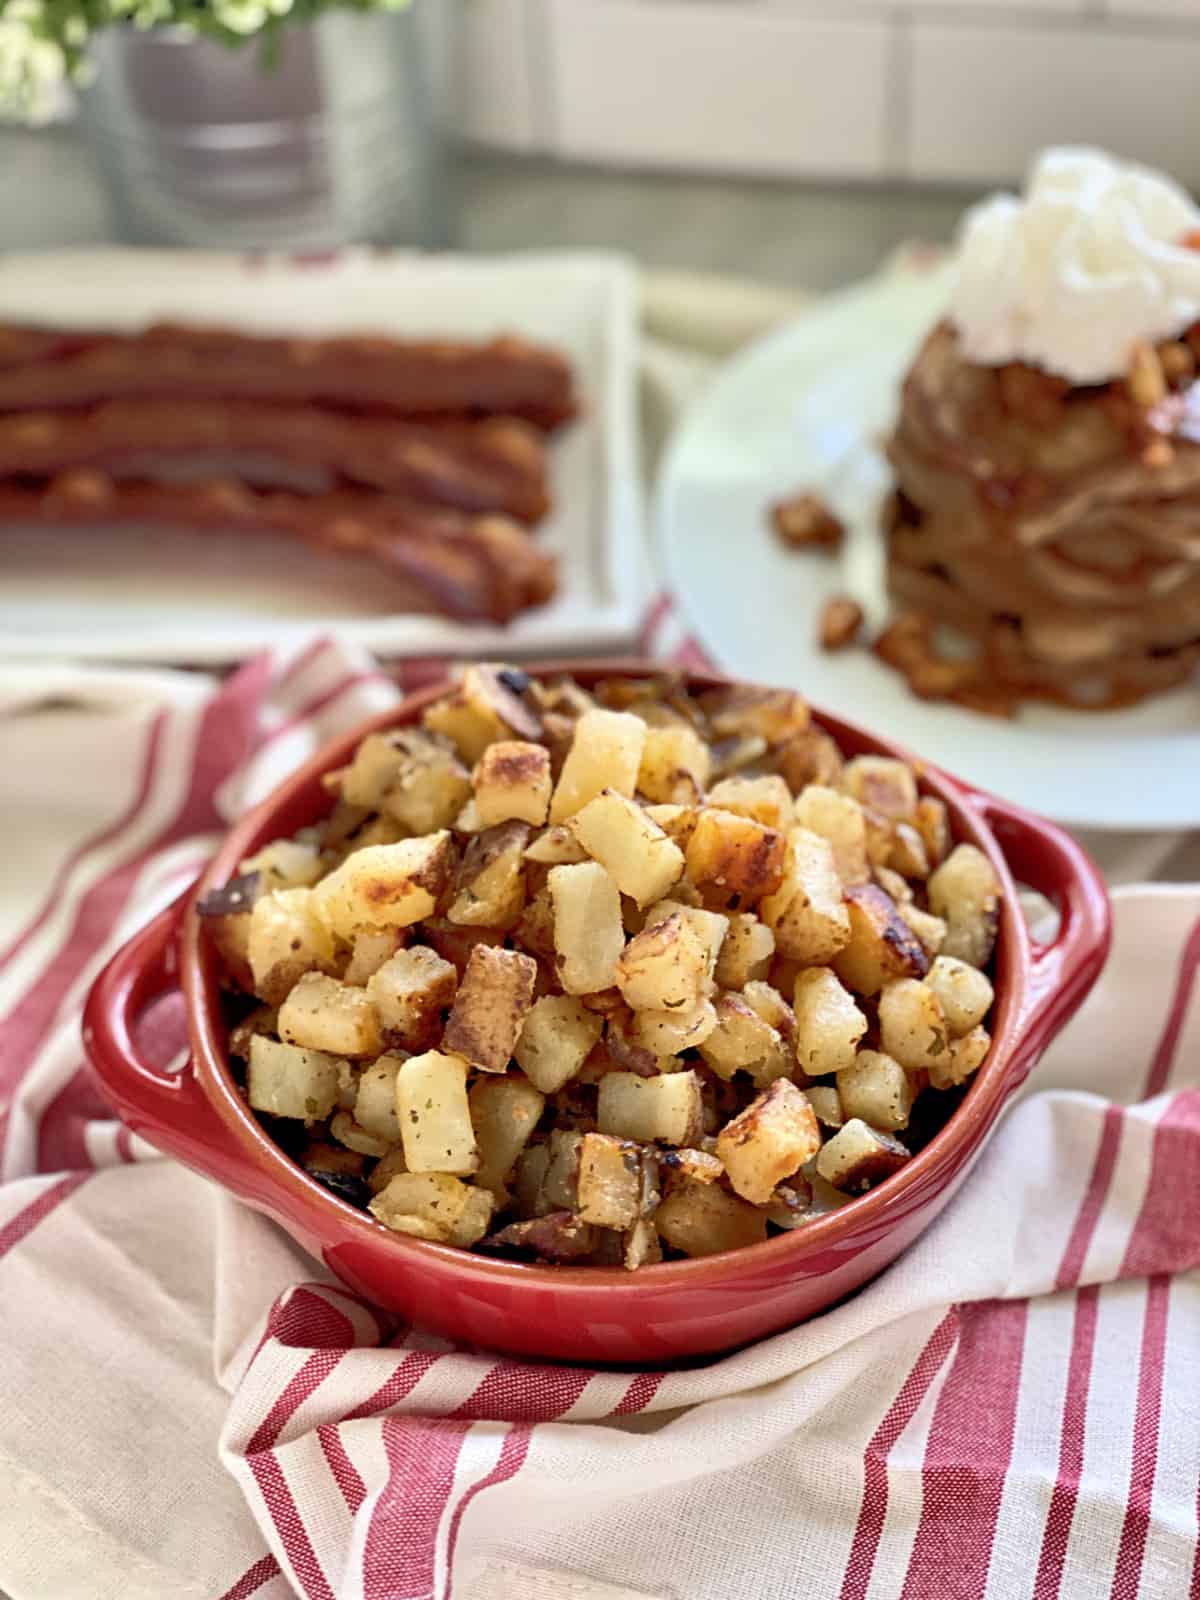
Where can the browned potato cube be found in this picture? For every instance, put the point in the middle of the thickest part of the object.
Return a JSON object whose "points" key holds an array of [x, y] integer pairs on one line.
{"points": [[375, 1099], [614, 1189], [696, 1166], [877, 1089], [965, 993], [742, 1041], [372, 947], [674, 766], [767, 800], [771, 1007], [605, 753], [493, 1000], [432, 1205], [535, 931], [556, 1039], [409, 993], [907, 854], [479, 712], [527, 1179], [829, 1024], [964, 1057], [560, 1185], [826, 1102], [354, 1136], [385, 885], [806, 913], [638, 856], [770, 714], [663, 967], [881, 946], [512, 783], [490, 883], [555, 847], [810, 757], [746, 951], [411, 778], [702, 1219], [839, 819], [435, 1119], [663, 1110], [285, 1080], [642, 1248], [504, 1113], [930, 930], [285, 939], [882, 784], [285, 864], [912, 1026], [322, 1014], [736, 853], [858, 1156], [669, 1033], [966, 892], [677, 822], [768, 1141], [588, 932], [710, 927], [933, 824]]}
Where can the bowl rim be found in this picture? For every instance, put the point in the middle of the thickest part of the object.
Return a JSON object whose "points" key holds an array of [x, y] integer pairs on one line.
{"points": [[981, 1104]]}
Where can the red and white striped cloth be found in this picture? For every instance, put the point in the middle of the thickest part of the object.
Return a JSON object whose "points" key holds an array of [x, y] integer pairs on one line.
{"points": [[190, 1407]]}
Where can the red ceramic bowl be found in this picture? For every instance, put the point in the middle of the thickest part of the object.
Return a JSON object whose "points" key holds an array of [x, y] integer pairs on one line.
{"points": [[592, 1314]]}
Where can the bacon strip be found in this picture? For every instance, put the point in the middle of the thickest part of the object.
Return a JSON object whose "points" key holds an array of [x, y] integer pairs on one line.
{"points": [[505, 376], [495, 465], [484, 568]]}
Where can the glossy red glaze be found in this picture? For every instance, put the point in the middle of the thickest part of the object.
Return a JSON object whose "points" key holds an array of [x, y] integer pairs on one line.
{"points": [[681, 1308]]}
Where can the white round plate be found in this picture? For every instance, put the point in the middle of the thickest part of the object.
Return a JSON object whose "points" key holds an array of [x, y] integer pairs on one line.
{"points": [[805, 408]]}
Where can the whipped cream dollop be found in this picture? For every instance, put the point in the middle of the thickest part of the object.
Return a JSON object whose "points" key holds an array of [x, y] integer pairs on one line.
{"points": [[1069, 276]]}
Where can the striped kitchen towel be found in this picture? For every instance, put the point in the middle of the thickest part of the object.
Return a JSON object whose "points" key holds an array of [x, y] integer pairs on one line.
{"points": [[189, 1406]]}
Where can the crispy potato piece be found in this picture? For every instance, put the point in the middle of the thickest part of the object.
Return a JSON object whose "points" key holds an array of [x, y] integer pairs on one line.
{"points": [[642, 1247], [230, 937], [410, 777], [702, 1219], [858, 1157], [930, 930], [736, 853], [263, 1019], [375, 1101], [965, 1057], [877, 1089], [285, 864], [765, 799], [933, 824], [527, 1178], [893, 884], [410, 992], [882, 784], [684, 1166], [669, 1033], [829, 1024], [535, 930], [557, 1236], [327, 1159], [504, 1113], [710, 927], [839, 819], [663, 967], [386, 1168], [560, 1185], [676, 821], [490, 883], [907, 854], [432, 1205], [588, 933], [743, 1041], [665, 1109], [347, 1131], [454, 943], [512, 783], [965, 993], [322, 1014], [480, 711], [371, 949], [285, 939], [772, 1008], [746, 951], [385, 885], [285, 1080], [912, 1026], [825, 1101], [493, 1000], [616, 1182], [768, 1141], [810, 757], [881, 946], [771, 714], [555, 847], [638, 856], [806, 913], [435, 1119], [966, 892], [605, 753], [674, 766], [556, 1039]]}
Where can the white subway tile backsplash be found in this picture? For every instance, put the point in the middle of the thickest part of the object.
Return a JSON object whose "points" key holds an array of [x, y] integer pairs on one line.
{"points": [[496, 92], [731, 87], [983, 99]]}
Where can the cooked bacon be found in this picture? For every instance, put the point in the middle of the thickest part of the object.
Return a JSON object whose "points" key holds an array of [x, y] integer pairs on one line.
{"points": [[473, 568], [506, 376], [495, 465]]}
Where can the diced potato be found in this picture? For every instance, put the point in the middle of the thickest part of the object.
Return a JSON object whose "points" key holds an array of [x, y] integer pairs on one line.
{"points": [[933, 824], [702, 1219], [349, 1073], [493, 1000], [736, 853], [555, 1040], [285, 939], [930, 930], [588, 933], [966, 892], [858, 1156], [605, 753], [677, 822], [386, 1168], [839, 819], [696, 1166], [881, 945], [555, 847], [640, 859], [385, 885], [908, 855], [432, 1205], [611, 1181], [322, 1014], [285, 864], [410, 777], [964, 1057], [480, 711], [489, 888], [825, 1101], [468, 819], [912, 1026], [877, 1089], [894, 885], [455, 944], [263, 1019], [806, 913], [674, 766], [512, 783], [810, 757], [372, 947], [766, 799], [772, 714], [965, 993], [504, 1113], [285, 1080], [665, 1109], [623, 1049], [435, 1119], [883, 784], [328, 1159], [663, 967], [768, 1141], [528, 1176], [771, 1007], [742, 1041], [791, 1204], [560, 1185], [709, 926], [669, 1033], [230, 936], [746, 951], [375, 1102], [410, 992], [642, 1247], [354, 1136], [829, 1024], [535, 931]]}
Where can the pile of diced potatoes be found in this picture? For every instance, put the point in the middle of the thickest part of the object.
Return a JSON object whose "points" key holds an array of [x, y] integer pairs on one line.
{"points": [[607, 976]]}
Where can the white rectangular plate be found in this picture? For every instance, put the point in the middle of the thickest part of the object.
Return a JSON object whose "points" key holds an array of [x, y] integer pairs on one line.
{"points": [[128, 594]]}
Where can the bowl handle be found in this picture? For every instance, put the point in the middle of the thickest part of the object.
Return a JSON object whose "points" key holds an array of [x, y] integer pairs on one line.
{"points": [[169, 1107], [1046, 858]]}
